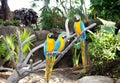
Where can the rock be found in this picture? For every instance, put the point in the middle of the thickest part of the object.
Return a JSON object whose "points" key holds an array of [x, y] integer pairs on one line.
{"points": [[5, 30], [66, 61], [41, 35], [95, 79]]}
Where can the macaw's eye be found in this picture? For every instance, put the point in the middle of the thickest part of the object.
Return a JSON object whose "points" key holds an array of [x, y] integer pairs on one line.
{"points": [[64, 36]]}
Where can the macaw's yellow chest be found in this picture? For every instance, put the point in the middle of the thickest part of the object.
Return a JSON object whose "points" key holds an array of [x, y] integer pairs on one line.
{"points": [[77, 28], [61, 45], [50, 45]]}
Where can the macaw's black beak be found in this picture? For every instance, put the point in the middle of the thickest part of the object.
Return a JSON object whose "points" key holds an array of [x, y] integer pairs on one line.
{"points": [[76, 19], [52, 36], [64, 36]]}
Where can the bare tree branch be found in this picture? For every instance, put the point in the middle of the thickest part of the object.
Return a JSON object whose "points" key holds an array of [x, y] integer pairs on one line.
{"points": [[67, 28], [28, 39], [20, 54], [31, 52], [8, 69], [36, 63], [40, 66], [65, 51]]}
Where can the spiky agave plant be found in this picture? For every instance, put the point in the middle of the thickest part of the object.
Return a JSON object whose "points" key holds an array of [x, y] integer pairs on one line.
{"points": [[23, 36], [3, 50], [12, 42]]}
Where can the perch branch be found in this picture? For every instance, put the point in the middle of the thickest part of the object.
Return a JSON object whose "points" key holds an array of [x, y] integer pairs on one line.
{"points": [[20, 54], [36, 63], [73, 35], [40, 66], [24, 71], [28, 39], [67, 28], [65, 51], [31, 52], [8, 69], [31, 64]]}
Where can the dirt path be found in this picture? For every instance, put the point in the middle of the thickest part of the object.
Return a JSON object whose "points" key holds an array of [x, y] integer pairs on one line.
{"points": [[60, 75]]}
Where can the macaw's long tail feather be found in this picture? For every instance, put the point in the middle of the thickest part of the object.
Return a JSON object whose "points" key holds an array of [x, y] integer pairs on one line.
{"points": [[84, 62], [50, 60]]}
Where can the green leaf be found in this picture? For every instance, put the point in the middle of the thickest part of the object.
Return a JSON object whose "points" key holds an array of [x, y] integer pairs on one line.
{"points": [[76, 45]]}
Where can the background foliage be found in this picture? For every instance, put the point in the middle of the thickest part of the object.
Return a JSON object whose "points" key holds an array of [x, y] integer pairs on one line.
{"points": [[54, 17], [106, 9]]}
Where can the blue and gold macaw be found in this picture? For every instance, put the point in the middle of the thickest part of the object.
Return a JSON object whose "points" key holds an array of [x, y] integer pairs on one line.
{"points": [[49, 45], [60, 42], [79, 27]]}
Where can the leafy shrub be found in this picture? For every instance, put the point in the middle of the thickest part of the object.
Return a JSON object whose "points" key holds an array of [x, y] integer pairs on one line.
{"points": [[103, 47], [101, 9], [12, 22]]}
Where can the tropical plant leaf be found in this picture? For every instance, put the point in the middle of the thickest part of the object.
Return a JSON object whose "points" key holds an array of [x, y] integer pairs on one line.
{"points": [[23, 36], [13, 44], [10, 40]]}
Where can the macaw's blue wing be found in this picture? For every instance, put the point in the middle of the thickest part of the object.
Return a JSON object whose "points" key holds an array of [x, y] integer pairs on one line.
{"points": [[82, 28], [44, 48], [57, 45]]}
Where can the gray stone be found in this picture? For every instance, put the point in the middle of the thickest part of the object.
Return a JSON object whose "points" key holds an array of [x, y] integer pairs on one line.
{"points": [[95, 79]]}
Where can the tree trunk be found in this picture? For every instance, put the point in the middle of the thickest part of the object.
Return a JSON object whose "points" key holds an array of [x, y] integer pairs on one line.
{"points": [[6, 10], [13, 78]]}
